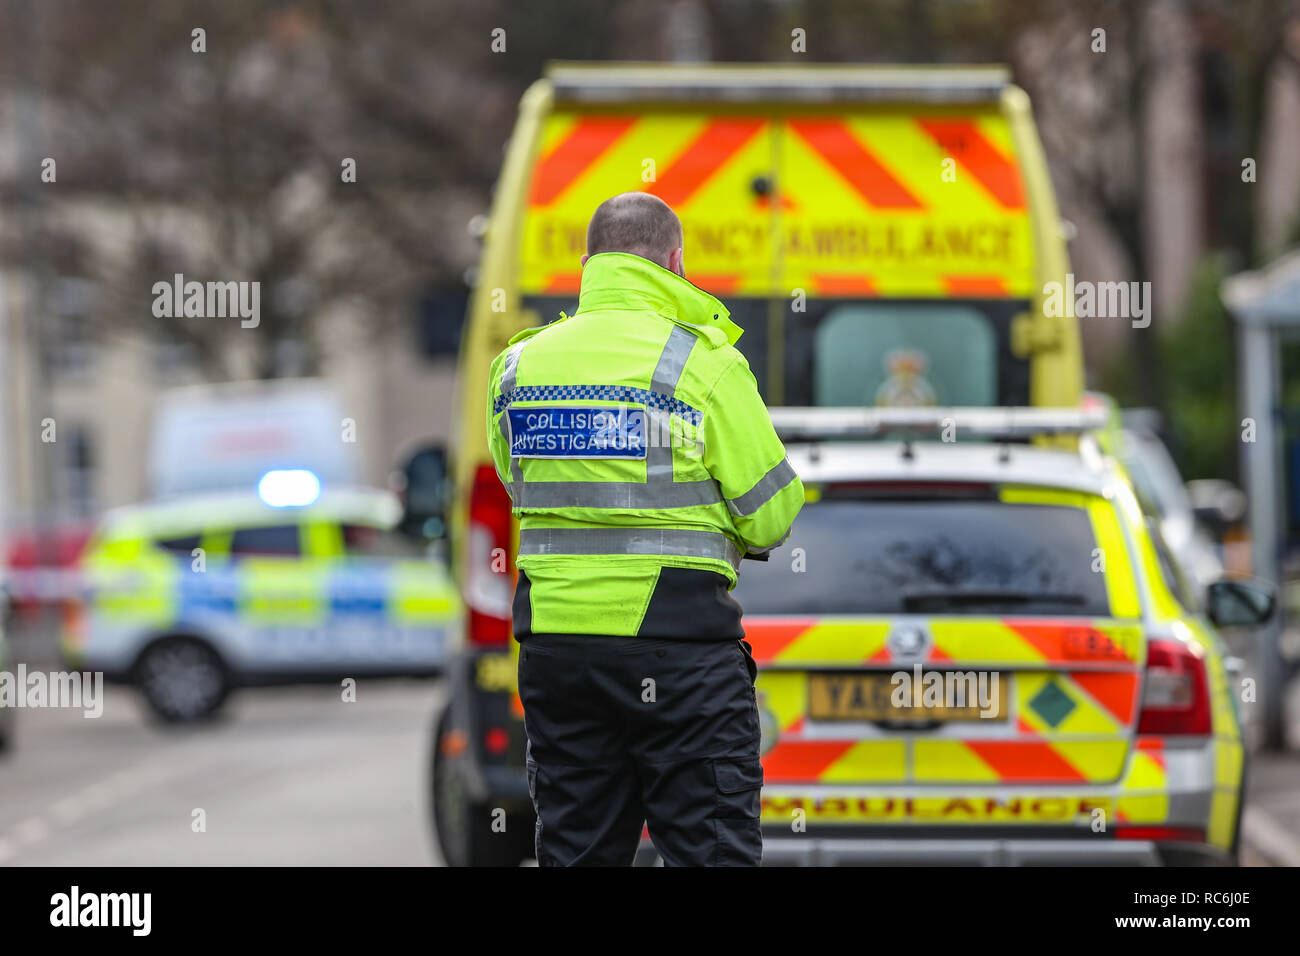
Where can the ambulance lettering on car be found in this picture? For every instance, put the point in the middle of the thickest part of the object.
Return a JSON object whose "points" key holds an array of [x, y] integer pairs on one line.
{"points": [[778, 809]]}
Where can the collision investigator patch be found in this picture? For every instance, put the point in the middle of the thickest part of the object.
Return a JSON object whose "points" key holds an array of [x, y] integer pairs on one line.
{"points": [[577, 432]]}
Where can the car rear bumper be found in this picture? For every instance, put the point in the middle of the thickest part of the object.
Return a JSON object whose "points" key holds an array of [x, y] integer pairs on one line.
{"points": [[972, 850], [1026, 851], [1176, 811]]}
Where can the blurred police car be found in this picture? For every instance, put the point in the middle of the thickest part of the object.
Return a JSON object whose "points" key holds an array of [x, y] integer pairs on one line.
{"points": [[1064, 695], [193, 596]]}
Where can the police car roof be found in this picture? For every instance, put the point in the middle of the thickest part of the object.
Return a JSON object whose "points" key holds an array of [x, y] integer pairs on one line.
{"points": [[189, 514], [820, 462]]}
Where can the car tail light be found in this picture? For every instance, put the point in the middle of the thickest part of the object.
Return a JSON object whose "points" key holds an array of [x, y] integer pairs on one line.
{"points": [[1175, 698], [74, 624], [1161, 834], [488, 577], [496, 740]]}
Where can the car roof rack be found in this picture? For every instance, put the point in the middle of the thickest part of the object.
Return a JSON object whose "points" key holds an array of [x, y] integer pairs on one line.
{"points": [[999, 424]]}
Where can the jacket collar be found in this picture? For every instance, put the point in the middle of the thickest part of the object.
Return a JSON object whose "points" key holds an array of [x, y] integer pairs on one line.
{"points": [[621, 280]]}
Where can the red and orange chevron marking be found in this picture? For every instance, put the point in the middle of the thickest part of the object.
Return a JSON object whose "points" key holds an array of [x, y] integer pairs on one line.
{"points": [[856, 205], [1093, 666]]}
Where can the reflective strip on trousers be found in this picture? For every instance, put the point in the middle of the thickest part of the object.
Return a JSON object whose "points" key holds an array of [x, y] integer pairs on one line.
{"points": [[643, 541], [614, 494]]}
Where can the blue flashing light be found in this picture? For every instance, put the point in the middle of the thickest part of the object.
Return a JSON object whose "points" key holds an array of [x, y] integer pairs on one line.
{"points": [[288, 488]]}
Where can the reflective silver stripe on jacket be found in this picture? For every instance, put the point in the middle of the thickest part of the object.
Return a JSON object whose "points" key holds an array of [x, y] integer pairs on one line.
{"points": [[629, 495], [764, 490], [667, 373], [771, 547], [645, 541], [509, 371]]}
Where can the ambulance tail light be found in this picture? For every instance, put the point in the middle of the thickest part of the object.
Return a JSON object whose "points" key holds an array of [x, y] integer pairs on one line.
{"points": [[488, 578], [1176, 696]]}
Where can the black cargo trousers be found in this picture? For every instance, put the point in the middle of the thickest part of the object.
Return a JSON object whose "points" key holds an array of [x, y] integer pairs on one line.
{"points": [[626, 731]]}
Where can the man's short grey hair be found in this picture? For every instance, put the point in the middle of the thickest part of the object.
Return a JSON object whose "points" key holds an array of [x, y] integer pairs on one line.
{"points": [[635, 222]]}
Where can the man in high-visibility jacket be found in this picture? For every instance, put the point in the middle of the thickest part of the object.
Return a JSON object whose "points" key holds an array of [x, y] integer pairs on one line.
{"points": [[643, 466]]}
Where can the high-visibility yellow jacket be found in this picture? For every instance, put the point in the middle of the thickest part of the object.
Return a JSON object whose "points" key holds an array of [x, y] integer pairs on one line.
{"points": [[639, 458]]}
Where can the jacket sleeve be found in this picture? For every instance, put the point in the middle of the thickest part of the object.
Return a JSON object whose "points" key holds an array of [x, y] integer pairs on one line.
{"points": [[744, 456]]}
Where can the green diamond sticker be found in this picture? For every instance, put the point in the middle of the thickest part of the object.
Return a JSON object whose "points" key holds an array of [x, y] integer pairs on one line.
{"points": [[1052, 704]]}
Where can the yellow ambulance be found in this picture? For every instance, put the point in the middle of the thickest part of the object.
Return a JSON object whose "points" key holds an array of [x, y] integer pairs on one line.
{"points": [[883, 235]]}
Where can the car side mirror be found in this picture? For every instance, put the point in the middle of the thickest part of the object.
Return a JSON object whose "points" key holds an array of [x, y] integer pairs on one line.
{"points": [[1216, 504], [423, 481], [1231, 603]]}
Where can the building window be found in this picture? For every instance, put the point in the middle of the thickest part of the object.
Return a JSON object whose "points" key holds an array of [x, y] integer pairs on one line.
{"points": [[69, 340], [76, 478]]}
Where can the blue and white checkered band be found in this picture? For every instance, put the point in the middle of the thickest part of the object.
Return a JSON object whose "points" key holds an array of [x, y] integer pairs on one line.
{"points": [[598, 393]]}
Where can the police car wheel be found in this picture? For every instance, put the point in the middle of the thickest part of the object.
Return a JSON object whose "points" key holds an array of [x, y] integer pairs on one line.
{"points": [[182, 680]]}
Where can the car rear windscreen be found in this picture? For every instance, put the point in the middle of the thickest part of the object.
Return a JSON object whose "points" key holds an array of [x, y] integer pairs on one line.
{"points": [[983, 558]]}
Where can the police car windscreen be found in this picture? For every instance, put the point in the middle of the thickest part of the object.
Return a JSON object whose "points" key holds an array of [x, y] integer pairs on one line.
{"points": [[982, 558]]}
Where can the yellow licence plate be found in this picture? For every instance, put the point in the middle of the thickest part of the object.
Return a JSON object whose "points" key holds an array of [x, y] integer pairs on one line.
{"points": [[877, 697]]}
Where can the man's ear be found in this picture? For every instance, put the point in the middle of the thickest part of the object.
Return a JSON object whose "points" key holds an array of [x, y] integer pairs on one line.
{"points": [[675, 262], [583, 260]]}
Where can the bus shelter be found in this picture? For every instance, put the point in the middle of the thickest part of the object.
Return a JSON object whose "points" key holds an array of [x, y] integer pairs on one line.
{"points": [[1265, 305]]}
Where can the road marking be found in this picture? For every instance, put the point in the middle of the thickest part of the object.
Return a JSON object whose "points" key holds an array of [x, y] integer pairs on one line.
{"points": [[103, 793], [1269, 838], [32, 830], [67, 810]]}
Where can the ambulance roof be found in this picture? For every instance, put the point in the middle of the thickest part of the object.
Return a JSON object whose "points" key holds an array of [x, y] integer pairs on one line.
{"points": [[776, 82]]}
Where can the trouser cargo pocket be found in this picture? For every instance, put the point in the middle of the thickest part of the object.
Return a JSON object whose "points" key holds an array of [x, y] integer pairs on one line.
{"points": [[751, 666], [739, 782]]}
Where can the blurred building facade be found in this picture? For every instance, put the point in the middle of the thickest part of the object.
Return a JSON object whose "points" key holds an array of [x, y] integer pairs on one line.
{"points": [[225, 165], [78, 411]]}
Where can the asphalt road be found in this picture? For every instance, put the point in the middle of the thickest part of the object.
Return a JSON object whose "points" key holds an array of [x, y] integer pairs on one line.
{"points": [[297, 776], [288, 776]]}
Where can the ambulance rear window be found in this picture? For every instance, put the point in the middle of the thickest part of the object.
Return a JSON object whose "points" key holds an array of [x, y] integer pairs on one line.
{"points": [[905, 355], [962, 557], [893, 352]]}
